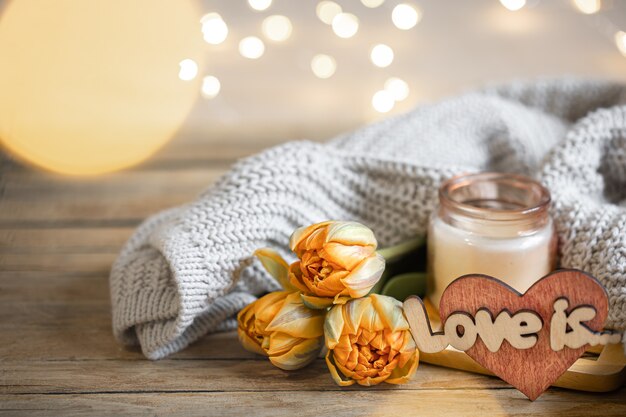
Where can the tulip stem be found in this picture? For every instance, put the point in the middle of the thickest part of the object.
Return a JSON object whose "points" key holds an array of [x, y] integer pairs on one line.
{"points": [[393, 253]]}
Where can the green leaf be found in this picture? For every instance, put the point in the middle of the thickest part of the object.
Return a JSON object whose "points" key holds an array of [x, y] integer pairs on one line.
{"points": [[393, 253], [403, 285]]}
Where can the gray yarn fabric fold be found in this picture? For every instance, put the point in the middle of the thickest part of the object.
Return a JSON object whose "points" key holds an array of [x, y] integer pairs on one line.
{"points": [[187, 271]]}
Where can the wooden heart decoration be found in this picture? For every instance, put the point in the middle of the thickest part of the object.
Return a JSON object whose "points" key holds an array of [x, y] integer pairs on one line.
{"points": [[534, 369]]}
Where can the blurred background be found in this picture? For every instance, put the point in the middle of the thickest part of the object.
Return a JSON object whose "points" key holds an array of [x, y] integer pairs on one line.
{"points": [[90, 87]]}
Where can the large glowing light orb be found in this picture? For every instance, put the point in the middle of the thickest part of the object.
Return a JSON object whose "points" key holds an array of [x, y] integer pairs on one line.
{"points": [[91, 86]]}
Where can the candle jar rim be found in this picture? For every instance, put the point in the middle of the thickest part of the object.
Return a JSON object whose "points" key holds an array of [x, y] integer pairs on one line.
{"points": [[495, 198]]}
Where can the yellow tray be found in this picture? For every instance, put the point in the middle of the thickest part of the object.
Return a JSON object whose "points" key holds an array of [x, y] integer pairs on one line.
{"points": [[601, 369]]}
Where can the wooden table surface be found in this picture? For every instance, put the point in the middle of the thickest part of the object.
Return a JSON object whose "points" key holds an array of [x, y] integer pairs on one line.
{"points": [[58, 238]]}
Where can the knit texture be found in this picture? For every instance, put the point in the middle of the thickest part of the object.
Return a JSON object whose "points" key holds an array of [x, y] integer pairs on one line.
{"points": [[187, 271]]}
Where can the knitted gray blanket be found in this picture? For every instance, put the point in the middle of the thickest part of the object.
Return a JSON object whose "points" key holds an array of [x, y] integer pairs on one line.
{"points": [[187, 271]]}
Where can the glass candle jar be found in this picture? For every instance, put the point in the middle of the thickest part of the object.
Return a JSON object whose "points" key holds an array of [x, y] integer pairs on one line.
{"points": [[490, 223]]}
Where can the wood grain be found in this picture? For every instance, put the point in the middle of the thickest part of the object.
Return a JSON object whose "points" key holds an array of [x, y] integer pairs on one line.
{"points": [[63, 240], [531, 370], [438, 402], [122, 199], [178, 374], [58, 356]]}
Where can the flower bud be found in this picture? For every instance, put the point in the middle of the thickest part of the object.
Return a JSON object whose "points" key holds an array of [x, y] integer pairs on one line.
{"points": [[338, 261], [282, 328], [369, 341]]}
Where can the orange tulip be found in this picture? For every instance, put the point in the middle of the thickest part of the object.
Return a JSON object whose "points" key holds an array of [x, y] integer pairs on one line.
{"points": [[369, 341], [338, 261], [280, 327]]}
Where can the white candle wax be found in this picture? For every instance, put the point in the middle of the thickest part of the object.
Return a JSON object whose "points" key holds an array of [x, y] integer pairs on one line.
{"points": [[517, 260]]}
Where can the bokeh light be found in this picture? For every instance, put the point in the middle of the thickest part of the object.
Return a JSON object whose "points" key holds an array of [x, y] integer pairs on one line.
{"points": [[260, 5], [381, 55], [513, 5], [61, 76], [251, 47], [345, 25], [83, 92], [188, 69], [277, 28], [327, 10], [323, 66], [383, 101], [210, 86], [588, 6], [214, 29], [404, 16], [372, 3], [620, 41], [398, 88]]}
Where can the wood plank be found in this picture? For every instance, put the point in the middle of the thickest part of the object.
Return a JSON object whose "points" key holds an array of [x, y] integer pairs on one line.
{"points": [[397, 402], [81, 331], [59, 262], [63, 240], [63, 315], [59, 316], [167, 375], [54, 343], [55, 335], [174, 176], [46, 287], [57, 269], [124, 199]]}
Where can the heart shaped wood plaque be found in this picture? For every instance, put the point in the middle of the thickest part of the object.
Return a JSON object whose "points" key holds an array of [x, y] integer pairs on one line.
{"points": [[531, 370]]}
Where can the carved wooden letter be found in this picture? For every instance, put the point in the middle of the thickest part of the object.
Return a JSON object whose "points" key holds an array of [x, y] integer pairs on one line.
{"points": [[425, 339], [569, 330], [460, 331], [519, 329]]}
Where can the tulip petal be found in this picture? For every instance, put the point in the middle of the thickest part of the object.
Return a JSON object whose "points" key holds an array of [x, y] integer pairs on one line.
{"points": [[352, 314], [246, 315], [299, 356], [344, 353], [347, 257], [339, 379], [351, 233], [295, 277], [249, 344], [297, 320], [313, 289], [331, 285], [365, 337], [344, 371], [369, 319], [270, 299], [304, 232], [407, 349], [316, 303], [314, 241], [369, 381], [333, 326], [280, 343], [390, 311], [341, 299], [276, 266], [266, 307], [362, 278], [402, 375]]}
